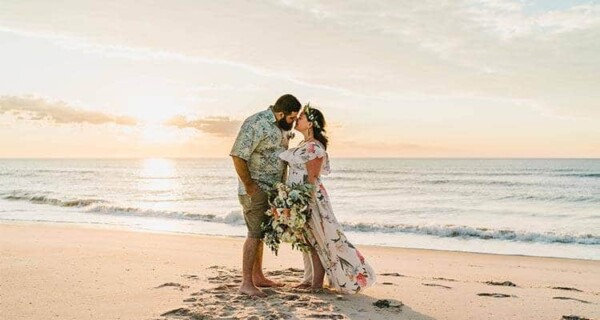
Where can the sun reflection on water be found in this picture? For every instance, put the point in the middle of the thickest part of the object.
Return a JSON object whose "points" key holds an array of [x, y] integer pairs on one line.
{"points": [[159, 180], [158, 168]]}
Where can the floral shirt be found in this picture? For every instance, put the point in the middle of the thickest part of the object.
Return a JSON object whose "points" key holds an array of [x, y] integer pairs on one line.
{"points": [[259, 142]]}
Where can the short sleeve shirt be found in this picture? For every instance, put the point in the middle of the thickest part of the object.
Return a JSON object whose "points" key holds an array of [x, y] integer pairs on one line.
{"points": [[259, 142]]}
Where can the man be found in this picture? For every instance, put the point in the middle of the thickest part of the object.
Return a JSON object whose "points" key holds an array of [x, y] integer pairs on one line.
{"points": [[255, 153]]}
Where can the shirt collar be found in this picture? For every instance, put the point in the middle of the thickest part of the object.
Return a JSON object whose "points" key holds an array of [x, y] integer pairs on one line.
{"points": [[271, 115]]}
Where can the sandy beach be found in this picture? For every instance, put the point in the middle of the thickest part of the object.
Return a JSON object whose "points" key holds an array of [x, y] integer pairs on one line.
{"points": [[53, 271]]}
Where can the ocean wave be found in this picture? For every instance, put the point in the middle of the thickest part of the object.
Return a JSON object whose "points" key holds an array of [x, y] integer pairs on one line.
{"points": [[582, 175], [133, 211], [43, 199], [475, 182], [43, 172], [342, 178], [359, 171], [101, 206], [234, 217], [65, 171], [159, 178], [499, 174], [563, 170], [565, 198], [452, 231], [205, 198], [23, 175], [472, 173]]}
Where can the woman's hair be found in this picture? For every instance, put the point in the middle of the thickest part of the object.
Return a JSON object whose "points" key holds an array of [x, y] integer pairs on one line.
{"points": [[318, 120]]}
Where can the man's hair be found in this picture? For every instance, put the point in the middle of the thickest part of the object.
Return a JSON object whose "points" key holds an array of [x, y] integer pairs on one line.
{"points": [[287, 104]]}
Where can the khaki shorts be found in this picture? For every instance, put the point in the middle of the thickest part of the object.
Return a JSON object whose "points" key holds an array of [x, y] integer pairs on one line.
{"points": [[254, 212]]}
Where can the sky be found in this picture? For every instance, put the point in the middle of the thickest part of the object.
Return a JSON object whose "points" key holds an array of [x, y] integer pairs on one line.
{"points": [[428, 78]]}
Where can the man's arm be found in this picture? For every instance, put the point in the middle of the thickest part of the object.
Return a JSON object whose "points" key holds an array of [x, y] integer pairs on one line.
{"points": [[241, 167]]}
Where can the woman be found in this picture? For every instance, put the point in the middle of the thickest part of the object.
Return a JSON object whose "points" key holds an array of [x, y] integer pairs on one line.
{"points": [[331, 252]]}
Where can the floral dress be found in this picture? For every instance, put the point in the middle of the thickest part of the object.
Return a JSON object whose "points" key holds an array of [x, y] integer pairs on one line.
{"points": [[345, 267]]}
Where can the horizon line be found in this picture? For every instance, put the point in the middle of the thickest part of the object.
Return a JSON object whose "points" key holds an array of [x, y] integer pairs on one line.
{"points": [[349, 157]]}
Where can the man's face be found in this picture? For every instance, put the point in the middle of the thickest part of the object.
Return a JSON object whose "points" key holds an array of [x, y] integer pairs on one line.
{"points": [[287, 121]]}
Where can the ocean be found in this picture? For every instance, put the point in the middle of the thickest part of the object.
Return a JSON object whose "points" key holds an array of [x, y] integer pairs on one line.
{"points": [[534, 207]]}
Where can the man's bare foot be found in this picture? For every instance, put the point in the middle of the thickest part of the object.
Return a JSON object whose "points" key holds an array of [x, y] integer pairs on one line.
{"points": [[317, 286], [314, 289], [252, 291], [266, 283], [303, 285]]}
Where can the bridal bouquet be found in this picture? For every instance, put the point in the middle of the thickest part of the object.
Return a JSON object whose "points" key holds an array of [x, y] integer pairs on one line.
{"points": [[288, 214]]}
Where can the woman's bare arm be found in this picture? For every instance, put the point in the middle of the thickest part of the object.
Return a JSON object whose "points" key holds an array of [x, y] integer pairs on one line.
{"points": [[314, 169]]}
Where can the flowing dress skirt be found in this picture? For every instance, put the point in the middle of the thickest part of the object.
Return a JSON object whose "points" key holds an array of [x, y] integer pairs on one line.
{"points": [[344, 265]]}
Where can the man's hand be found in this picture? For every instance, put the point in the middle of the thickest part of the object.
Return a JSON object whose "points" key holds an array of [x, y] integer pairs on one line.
{"points": [[251, 188]]}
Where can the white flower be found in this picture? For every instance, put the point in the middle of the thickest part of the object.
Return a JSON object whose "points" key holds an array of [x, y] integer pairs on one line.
{"points": [[282, 194]]}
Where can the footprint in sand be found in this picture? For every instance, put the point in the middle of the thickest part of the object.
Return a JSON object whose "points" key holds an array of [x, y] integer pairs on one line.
{"points": [[325, 316], [574, 318], [503, 283], [223, 301], [190, 276], [182, 312], [445, 279], [392, 274], [567, 289], [172, 284], [436, 285], [573, 299], [496, 295]]}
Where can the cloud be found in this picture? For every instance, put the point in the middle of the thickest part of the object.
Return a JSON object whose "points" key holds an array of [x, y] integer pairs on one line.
{"points": [[510, 19], [371, 50], [218, 126], [34, 108], [480, 48]]}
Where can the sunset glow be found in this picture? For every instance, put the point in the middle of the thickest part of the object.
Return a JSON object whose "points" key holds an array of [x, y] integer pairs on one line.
{"points": [[467, 78]]}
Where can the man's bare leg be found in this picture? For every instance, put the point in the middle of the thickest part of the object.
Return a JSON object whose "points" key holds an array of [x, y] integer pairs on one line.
{"points": [[249, 258], [257, 273]]}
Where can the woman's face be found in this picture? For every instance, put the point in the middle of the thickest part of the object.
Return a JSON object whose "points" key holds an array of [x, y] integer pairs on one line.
{"points": [[303, 124]]}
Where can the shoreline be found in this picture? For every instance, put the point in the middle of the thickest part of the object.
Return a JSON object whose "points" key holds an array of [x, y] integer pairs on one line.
{"points": [[75, 272], [102, 226], [341, 157]]}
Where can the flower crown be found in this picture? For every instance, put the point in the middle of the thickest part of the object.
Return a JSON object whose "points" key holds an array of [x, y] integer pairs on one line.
{"points": [[311, 116]]}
